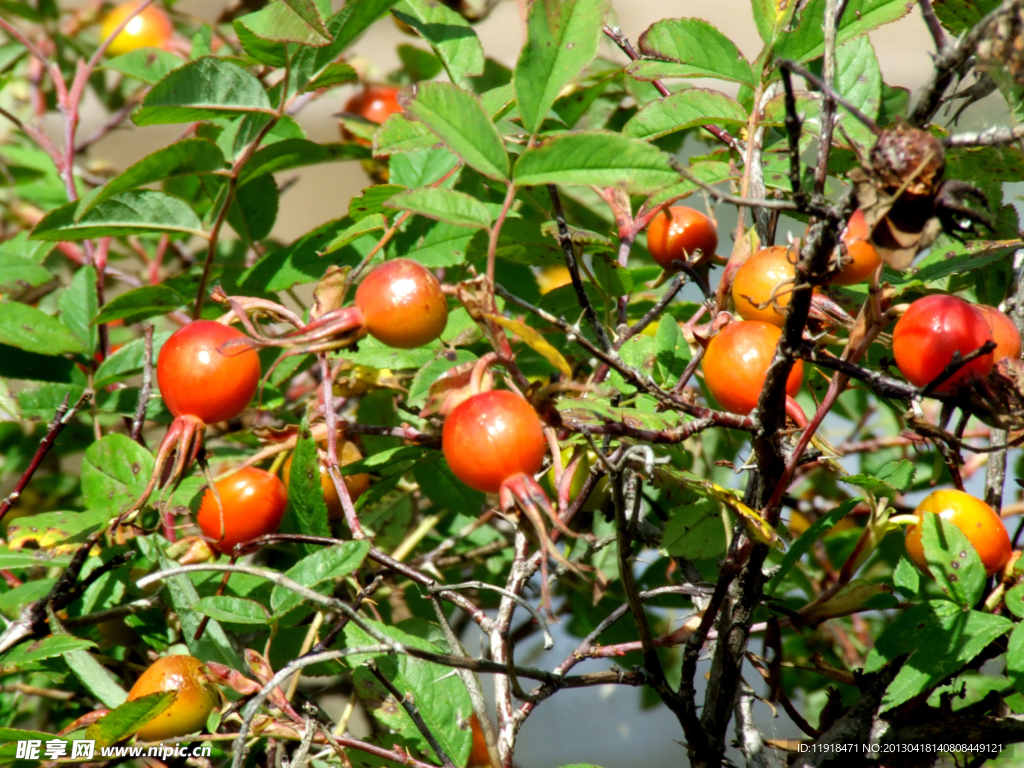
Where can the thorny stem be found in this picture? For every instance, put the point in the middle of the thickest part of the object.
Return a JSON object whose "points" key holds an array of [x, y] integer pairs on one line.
{"points": [[60, 420], [331, 419], [569, 253], [492, 243], [147, 385]]}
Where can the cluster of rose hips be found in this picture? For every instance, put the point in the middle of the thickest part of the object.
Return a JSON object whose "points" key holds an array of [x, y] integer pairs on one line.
{"points": [[926, 340]]}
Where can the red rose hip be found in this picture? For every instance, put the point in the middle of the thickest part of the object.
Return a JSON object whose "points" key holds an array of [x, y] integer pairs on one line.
{"points": [[201, 375]]}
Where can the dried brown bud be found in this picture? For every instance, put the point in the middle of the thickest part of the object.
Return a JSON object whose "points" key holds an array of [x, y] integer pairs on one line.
{"points": [[908, 158]]}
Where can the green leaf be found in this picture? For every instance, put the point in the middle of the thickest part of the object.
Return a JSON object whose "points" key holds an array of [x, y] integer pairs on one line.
{"points": [[699, 49], [1014, 600], [97, 680], [236, 610], [1015, 656], [122, 722], [909, 630], [254, 209], [562, 38], [128, 361], [78, 304], [33, 330], [310, 11], [682, 110], [307, 510], [31, 651], [130, 213], [807, 41], [400, 134], [150, 65], [140, 303], [444, 205], [10, 410], [30, 559], [893, 476], [858, 77], [952, 560], [200, 90], [596, 158], [440, 696], [906, 578], [423, 167], [457, 118], [289, 153], [443, 246], [694, 531], [612, 277], [114, 473], [438, 484], [801, 546], [449, 35], [18, 274], [183, 158], [431, 372], [364, 226], [264, 51], [182, 596], [942, 653], [299, 262], [325, 565], [279, 23], [332, 75], [960, 15], [372, 201]]}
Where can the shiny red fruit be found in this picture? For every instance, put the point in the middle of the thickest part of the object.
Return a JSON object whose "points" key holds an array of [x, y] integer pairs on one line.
{"points": [[931, 331], [375, 103], [1004, 333], [736, 363], [861, 257], [678, 233], [492, 436], [402, 304], [200, 375], [253, 503]]}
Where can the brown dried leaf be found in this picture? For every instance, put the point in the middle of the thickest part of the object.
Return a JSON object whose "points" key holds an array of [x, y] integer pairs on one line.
{"points": [[329, 293]]}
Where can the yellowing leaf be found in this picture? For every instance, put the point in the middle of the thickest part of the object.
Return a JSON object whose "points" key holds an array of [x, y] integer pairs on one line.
{"points": [[534, 341], [756, 525]]}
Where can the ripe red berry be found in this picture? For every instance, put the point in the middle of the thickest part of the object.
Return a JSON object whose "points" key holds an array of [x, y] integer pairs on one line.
{"points": [[375, 103], [736, 363], [861, 257], [151, 28], [678, 233], [491, 436], [252, 504], [762, 286], [931, 331], [1004, 333], [200, 375], [402, 304]]}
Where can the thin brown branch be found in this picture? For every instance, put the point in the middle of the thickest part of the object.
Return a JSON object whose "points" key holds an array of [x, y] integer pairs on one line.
{"points": [[60, 420]]}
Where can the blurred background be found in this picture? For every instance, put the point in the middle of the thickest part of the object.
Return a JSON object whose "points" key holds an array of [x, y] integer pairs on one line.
{"points": [[609, 727]]}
